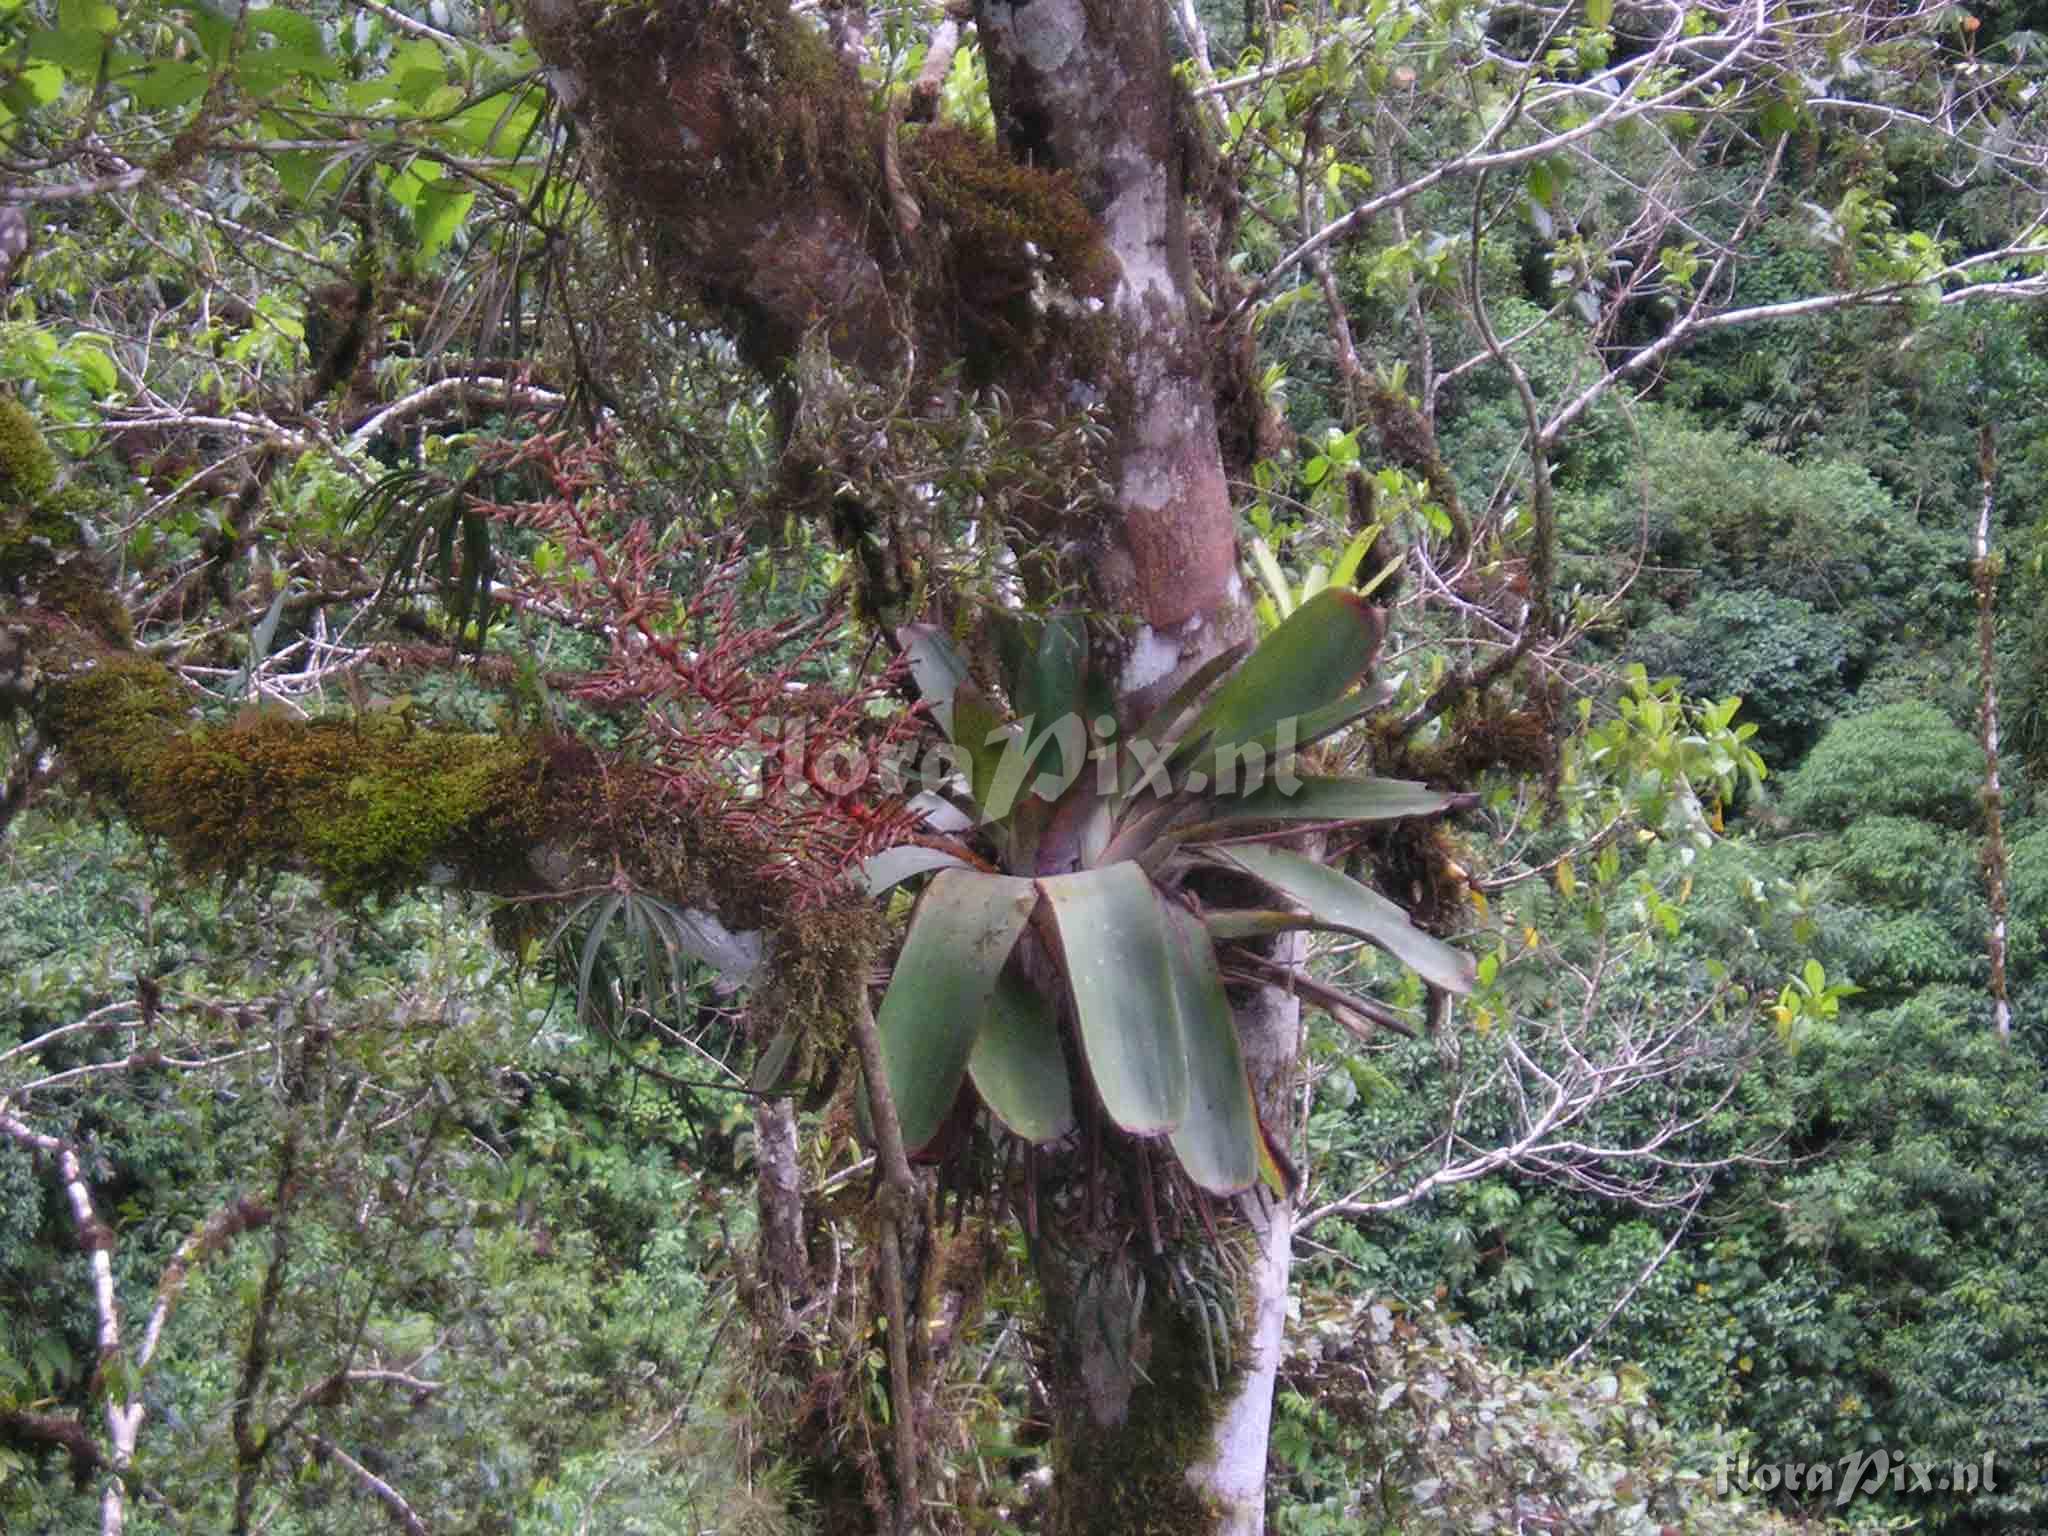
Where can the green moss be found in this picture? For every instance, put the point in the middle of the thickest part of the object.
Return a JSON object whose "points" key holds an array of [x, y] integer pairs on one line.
{"points": [[27, 467], [1131, 1480], [821, 954], [994, 206], [44, 553], [372, 807], [1002, 230], [108, 716]]}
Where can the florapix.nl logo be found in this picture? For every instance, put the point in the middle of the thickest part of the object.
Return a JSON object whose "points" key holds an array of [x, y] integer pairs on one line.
{"points": [[1027, 758], [1858, 1474]]}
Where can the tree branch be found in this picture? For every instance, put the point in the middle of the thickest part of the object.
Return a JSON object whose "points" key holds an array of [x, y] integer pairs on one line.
{"points": [[402, 1513]]}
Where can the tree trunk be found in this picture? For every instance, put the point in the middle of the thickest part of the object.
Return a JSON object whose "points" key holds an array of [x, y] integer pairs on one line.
{"points": [[1056, 263], [1984, 574], [1086, 111]]}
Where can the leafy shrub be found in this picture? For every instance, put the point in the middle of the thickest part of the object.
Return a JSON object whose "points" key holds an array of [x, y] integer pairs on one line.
{"points": [[1444, 1436], [1719, 513], [1482, 429], [1785, 659], [1901, 760], [1897, 954], [2028, 893], [1901, 861], [1888, 1288], [1924, 1229]]}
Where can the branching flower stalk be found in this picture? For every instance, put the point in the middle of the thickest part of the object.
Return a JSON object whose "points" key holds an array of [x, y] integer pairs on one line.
{"points": [[731, 694]]}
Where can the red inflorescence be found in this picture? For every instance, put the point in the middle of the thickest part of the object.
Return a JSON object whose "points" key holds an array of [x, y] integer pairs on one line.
{"points": [[741, 717]]}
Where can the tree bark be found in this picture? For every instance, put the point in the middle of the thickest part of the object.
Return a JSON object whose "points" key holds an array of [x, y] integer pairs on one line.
{"points": [[1984, 574], [745, 156]]}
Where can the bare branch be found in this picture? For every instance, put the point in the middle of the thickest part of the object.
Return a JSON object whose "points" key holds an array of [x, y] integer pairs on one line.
{"points": [[402, 1514], [460, 387]]}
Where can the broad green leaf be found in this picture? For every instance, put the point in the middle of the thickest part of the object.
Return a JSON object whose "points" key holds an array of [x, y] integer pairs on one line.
{"points": [[1018, 1067], [1335, 901], [293, 30], [1113, 944], [1305, 665], [93, 365], [440, 213], [940, 992], [1328, 799], [418, 69], [1253, 922], [168, 83], [1218, 1142], [442, 102], [1219, 767], [93, 16], [936, 667], [1048, 680], [892, 866], [1779, 117], [215, 30], [77, 53], [977, 730], [42, 83], [494, 124], [404, 187], [301, 172]]}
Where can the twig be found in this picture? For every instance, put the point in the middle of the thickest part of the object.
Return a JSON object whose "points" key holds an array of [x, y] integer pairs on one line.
{"points": [[1699, 1194], [402, 1513], [897, 1193]]}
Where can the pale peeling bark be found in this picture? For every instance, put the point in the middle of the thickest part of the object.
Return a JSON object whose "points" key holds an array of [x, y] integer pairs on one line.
{"points": [[1087, 89], [1234, 1473], [122, 1410], [1984, 569]]}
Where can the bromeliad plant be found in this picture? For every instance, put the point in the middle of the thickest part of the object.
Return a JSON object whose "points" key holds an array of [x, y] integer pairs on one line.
{"points": [[1079, 898]]}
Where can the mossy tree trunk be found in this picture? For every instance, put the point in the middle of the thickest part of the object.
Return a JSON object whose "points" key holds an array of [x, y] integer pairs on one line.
{"points": [[1057, 263]]}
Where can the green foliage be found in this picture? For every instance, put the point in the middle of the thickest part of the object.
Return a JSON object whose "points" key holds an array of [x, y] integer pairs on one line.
{"points": [[2028, 873], [1901, 760], [1392, 1418], [1716, 513], [1787, 661], [27, 467], [1921, 1232], [494, 1199], [486, 1205]]}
